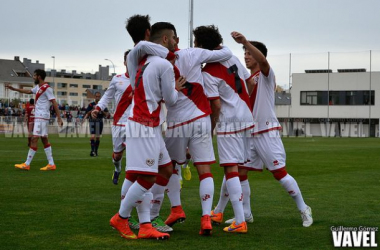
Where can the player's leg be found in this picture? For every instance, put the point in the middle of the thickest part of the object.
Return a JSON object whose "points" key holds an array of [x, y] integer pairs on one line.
{"points": [[142, 159], [99, 131], [33, 146], [232, 152], [202, 151], [118, 141], [176, 144], [271, 150], [92, 137], [49, 154]]}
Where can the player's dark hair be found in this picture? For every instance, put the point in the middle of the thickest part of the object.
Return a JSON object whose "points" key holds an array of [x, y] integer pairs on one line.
{"points": [[159, 28], [31, 101], [260, 46], [137, 26], [41, 73], [207, 37], [126, 54], [97, 92]]}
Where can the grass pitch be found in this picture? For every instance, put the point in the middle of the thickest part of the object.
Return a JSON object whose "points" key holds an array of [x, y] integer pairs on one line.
{"points": [[70, 208]]}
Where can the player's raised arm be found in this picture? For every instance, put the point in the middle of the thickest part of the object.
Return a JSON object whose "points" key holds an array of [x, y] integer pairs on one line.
{"points": [[107, 97], [255, 53], [217, 55], [24, 91], [142, 49]]}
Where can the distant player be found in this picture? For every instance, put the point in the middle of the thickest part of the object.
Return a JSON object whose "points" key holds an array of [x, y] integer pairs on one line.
{"points": [[119, 90], [154, 82], [29, 118], [96, 124], [266, 145], [227, 90], [44, 96]]}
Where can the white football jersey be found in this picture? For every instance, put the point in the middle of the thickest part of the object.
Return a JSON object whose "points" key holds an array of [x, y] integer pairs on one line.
{"points": [[263, 95], [154, 82], [226, 80], [119, 90], [42, 104], [192, 101]]}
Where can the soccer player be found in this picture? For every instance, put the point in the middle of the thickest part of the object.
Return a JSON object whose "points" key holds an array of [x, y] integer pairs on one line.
{"points": [[138, 27], [96, 124], [44, 96], [266, 145], [119, 90], [29, 118], [227, 90], [154, 82], [189, 126]]}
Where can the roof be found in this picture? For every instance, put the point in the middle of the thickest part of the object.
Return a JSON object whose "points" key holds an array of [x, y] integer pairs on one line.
{"points": [[10, 71]]}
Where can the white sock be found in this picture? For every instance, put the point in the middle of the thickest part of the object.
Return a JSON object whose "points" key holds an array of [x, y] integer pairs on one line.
{"points": [[179, 170], [124, 189], [117, 165], [223, 198], [49, 155], [291, 186], [246, 198], [143, 209], [30, 156], [206, 192], [236, 195], [158, 196], [174, 190], [134, 197]]}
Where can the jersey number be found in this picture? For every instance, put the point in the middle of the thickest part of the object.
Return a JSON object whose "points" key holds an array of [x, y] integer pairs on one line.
{"points": [[234, 70], [141, 74]]}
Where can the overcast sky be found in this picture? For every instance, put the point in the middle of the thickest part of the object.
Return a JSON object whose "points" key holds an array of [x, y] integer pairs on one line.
{"points": [[82, 33]]}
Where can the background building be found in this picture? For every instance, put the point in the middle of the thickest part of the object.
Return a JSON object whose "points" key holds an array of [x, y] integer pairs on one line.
{"points": [[326, 103]]}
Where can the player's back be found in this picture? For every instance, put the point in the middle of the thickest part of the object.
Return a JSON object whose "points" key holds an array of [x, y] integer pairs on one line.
{"points": [[154, 82], [226, 80]]}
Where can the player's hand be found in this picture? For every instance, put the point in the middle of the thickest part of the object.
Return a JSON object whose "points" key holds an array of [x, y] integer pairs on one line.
{"points": [[238, 37], [60, 122], [9, 87], [94, 113], [180, 83]]}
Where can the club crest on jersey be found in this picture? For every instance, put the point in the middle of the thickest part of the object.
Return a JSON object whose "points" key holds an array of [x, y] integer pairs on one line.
{"points": [[40, 91], [275, 163], [149, 162]]}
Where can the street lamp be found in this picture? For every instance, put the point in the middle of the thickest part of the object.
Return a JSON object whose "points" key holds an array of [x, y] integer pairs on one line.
{"points": [[112, 65]]}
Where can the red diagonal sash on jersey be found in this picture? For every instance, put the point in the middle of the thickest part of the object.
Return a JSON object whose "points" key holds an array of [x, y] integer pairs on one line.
{"points": [[125, 101], [42, 90], [195, 92], [231, 77], [141, 113]]}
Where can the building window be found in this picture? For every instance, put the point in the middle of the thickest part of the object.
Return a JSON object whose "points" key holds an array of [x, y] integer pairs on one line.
{"points": [[357, 97], [84, 94], [73, 94], [51, 84], [73, 85], [61, 93], [86, 86], [98, 87], [61, 85]]}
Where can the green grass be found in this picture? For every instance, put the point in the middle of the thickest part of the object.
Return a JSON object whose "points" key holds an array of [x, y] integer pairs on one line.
{"points": [[70, 208]]}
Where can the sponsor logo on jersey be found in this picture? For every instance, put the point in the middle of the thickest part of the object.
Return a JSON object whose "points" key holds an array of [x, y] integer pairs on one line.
{"points": [[275, 163], [149, 162], [354, 236]]}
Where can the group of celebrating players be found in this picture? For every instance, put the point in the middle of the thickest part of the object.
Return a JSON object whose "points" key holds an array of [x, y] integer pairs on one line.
{"points": [[203, 89]]}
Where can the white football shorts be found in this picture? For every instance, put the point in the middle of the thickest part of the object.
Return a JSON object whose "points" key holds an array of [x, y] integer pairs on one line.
{"points": [[146, 149], [196, 136]]}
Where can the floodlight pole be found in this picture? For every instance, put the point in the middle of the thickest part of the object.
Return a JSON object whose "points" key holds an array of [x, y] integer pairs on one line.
{"points": [[191, 16]]}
